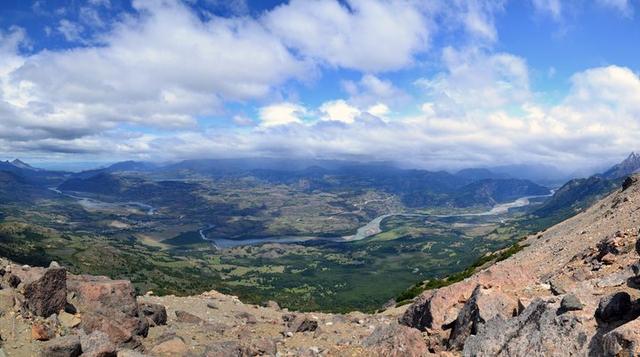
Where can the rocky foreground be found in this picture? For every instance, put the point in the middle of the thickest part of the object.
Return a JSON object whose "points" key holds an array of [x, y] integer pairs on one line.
{"points": [[573, 290]]}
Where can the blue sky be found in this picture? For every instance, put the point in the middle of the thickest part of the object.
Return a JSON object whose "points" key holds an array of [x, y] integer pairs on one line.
{"points": [[433, 84]]}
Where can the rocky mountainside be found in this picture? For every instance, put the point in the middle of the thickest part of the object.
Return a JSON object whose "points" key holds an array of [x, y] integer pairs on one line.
{"points": [[572, 290], [627, 167]]}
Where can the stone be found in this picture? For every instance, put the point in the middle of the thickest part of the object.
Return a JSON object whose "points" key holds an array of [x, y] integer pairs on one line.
{"points": [[570, 302], [613, 307], [183, 316], [97, 344], [212, 305], [628, 182], [173, 346], [225, 349], [608, 259], [303, 323], [395, 341], [68, 320], [623, 340], [484, 305], [557, 288], [103, 295], [13, 281], [538, 331], [121, 329], [272, 305], [156, 313], [41, 332], [247, 317], [48, 294], [66, 346]]}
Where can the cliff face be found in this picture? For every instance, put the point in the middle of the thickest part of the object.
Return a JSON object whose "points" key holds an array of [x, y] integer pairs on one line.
{"points": [[573, 290]]}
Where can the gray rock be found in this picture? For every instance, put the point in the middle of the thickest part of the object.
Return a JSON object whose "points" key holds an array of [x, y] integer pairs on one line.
{"points": [[614, 307], [418, 315], [67, 346], [570, 302], [538, 331], [156, 313], [97, 344], [396, 340], [482, 306], [303, 323], [622, 341], [183, 316]]}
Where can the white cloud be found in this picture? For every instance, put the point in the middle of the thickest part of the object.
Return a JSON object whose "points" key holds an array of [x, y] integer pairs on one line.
{"points": [[380, 110], [367, 35], [281, 114], [163, 69], [71, 31], [339, 110]]}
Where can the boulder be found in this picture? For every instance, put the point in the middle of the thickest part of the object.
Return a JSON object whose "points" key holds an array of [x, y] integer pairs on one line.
{"points": [[247, 317], [67, 346], [570, 302], [183, 316], [172, 346], [47, 294], [484, 305], [623, 341], [13, 280], [302, 323], [614, 307], [121, 330], [97, 344], [538, 331], [395, 341], [156, 313], [103, 295], [272, 305]]}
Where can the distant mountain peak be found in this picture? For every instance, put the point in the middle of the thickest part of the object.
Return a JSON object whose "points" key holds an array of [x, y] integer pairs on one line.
{"points": [[21, 164], [628, 166]]}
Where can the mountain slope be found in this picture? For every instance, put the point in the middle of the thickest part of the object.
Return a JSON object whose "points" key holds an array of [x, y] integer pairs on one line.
{"points": [[627, 167]]}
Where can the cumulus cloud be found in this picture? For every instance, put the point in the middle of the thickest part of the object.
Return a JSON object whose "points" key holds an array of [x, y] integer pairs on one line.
{"points": [[367, 35], [281, 114], [142, 75]]}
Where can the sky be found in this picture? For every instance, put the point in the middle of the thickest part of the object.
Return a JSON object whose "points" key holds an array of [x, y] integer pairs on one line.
{"points": [[441, 84]]}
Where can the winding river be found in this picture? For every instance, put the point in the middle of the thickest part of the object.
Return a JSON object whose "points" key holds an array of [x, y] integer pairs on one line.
{"points": [[370, 229]]}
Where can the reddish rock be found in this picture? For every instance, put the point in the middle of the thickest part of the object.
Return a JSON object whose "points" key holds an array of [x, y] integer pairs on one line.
{"points": [[101, 294], [121, 329], [40, 332], [47, 295], [173, 346]]}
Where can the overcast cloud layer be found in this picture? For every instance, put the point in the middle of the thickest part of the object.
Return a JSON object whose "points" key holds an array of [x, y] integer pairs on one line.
{"points": [[167, 81]]}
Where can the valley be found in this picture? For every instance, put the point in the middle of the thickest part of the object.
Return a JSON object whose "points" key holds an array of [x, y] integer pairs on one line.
{"points": [[338, 237]]}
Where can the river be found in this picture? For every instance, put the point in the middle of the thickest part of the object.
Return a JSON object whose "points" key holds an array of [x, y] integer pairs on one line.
{"points": [[370, 229]]}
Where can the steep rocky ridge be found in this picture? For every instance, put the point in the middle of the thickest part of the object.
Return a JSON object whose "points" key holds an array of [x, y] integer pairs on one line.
{"points": [[572, 291]]}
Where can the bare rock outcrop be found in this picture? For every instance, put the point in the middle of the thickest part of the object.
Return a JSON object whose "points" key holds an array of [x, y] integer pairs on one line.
{"points": [[484, 305], [538, 331]]}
